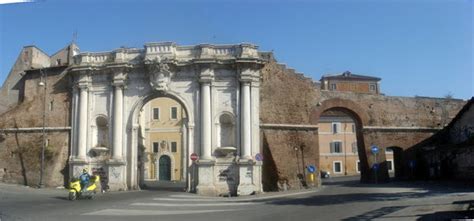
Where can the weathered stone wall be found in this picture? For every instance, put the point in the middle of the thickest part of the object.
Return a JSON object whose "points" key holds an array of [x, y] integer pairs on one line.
{"points": [[20, 150], [290, 98], [29, 57], [388, 121], [286, 98], [401, 111]]}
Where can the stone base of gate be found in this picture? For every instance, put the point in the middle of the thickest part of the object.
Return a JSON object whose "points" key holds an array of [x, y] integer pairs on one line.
{"points": [[116, 175], [249, 177], [205, 178], [226, 176], [76, 167]]}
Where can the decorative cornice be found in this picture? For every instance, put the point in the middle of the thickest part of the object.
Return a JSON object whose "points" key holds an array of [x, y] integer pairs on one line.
{"points": [[398, 129], [289, 126], [34, 129], [181, 55]]}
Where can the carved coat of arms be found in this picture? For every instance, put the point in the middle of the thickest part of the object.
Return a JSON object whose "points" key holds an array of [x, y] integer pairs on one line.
{"points": [[160, 74]]}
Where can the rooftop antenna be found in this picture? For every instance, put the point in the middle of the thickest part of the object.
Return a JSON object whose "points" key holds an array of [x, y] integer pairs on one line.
{"points": [[74, 36]]}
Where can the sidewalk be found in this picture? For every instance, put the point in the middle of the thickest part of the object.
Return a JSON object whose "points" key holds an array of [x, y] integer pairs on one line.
{"points": [[18, 188]]}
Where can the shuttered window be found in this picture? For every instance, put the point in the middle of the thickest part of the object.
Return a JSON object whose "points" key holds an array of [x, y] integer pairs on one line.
{"points": [[336, 147], [156, 113], [155, 147], [354, 147], [174, 147]]}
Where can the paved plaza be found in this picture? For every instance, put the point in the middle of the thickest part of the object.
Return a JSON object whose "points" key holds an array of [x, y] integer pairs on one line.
{"points": [[339, 199]]}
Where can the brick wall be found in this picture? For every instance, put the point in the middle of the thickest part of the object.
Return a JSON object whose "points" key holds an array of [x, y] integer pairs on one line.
{"points": [[20, 152]]}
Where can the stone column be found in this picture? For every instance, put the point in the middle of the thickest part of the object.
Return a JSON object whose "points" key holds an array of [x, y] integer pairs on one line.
{"points": [[205, 170], [245, 121], [206, 120], [118, 123], [83, 110]]}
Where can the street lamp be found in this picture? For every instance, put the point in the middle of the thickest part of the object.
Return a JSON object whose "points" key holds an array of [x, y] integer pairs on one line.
{"points": [[43, 84]]}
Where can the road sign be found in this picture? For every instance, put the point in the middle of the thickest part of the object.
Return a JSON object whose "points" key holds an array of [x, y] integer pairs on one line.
{"points": [[311, 168], [375, 166], [259, 157], [374, 149], [194, 157]]}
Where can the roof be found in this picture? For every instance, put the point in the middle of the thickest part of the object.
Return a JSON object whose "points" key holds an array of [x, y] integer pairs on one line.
{"points": [[347, 75]]}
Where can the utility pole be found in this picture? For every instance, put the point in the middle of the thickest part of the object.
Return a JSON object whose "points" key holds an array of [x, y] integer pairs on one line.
{"points": [[43, 84], [345, 155]]}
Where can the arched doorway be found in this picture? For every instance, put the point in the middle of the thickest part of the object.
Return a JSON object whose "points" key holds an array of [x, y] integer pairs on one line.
{"points": [[361, 118], [162, 129], [340, 143], [165, 168], [393, 156]]}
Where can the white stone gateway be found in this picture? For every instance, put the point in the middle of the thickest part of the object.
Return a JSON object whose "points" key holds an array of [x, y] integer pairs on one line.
{"points": [[218, 85]]}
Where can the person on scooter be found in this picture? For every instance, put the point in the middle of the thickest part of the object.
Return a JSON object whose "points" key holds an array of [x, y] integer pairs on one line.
{"points": [[85, 177]]}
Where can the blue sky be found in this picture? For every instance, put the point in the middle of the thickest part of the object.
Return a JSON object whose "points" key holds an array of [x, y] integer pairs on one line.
{"points": [[422, 47]]}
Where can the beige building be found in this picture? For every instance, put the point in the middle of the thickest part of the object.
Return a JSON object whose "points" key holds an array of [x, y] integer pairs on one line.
{"points": [[338, 145], [162, 127], [351, 82]]}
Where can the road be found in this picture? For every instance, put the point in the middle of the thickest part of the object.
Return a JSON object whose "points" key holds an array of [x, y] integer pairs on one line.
{"points": [[338, 199]]}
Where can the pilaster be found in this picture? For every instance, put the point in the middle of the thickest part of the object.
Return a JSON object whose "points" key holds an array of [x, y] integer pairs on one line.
{"points": [[118, 84]]}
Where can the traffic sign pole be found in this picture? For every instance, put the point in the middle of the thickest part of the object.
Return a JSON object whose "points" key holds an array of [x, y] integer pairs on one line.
{"points": [[375, 168], [194, 157], [375, 150]]}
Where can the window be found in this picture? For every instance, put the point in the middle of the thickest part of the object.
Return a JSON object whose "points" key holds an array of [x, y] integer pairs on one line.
{"points": [[337, 167], [332, 86], [58, 62], [155, 147], [174, 146], [156, 113], [354, 147], [336, 127], [358, 166], [372, 87], [174, 113], [51, 104], [336, 147], [390, 165]]}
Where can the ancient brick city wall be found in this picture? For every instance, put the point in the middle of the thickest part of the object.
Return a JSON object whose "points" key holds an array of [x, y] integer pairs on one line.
{"points": [[20, 150], [287, 98], [290, 98]]}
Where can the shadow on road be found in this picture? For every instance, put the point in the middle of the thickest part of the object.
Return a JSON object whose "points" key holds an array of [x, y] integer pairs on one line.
{"points": [[61, 198], [415, 189], [164, 186], [447, 215], [443, 186], [376, 213], [324, 200]]}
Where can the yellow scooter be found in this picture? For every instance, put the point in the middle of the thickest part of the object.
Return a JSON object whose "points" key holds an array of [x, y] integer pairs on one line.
{"points": [[89, 192]]}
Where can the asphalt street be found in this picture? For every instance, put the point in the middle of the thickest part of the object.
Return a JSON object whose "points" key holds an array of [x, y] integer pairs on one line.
{"points": [[338, 199]]}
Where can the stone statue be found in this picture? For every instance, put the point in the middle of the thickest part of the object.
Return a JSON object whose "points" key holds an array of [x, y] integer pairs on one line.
{"points": [[160, 74]]}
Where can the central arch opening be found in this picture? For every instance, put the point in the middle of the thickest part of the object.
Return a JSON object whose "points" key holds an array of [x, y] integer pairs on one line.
{"points": [[162, 144], [340, 144]]}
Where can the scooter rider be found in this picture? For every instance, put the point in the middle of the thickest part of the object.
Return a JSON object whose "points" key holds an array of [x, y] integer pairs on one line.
{"points": [[84, 179]]}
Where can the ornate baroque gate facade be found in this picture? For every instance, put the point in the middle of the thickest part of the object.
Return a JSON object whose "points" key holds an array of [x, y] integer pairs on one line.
{"points": [[218, 87]]}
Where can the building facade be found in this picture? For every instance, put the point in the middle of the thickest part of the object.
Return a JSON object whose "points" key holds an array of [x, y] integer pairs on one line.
{"points": [[338, 145], [162, 124], [218, 87], [351, 82], [236, 102]]}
